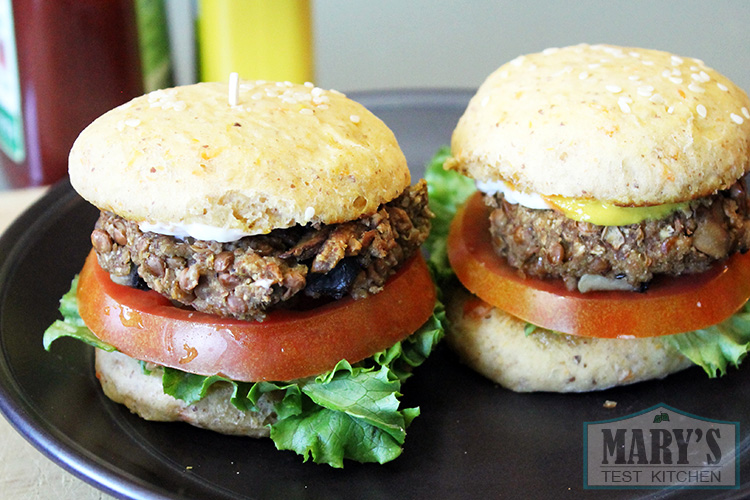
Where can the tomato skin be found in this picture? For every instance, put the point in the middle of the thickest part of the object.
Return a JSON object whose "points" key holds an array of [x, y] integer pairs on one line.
{"points": [[670, 305], [287, 345]]}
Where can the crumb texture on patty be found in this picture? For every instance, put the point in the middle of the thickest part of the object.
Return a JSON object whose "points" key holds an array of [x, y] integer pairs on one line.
{"points": [[546, 244], [623, 125], [246, 278]]}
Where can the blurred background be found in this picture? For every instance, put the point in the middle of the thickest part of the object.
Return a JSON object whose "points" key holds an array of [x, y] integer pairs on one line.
{"points": [[52, 84]]}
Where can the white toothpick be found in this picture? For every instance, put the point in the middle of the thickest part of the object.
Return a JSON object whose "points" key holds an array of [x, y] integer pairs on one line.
{"points": [[234, 89]]}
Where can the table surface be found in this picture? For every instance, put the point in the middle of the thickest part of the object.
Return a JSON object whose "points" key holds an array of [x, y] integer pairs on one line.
{"points": [[26, 473]]}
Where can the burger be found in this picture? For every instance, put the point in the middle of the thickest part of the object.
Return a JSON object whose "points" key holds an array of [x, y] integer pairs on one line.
{"points": [[604, 240], [255, 268]]}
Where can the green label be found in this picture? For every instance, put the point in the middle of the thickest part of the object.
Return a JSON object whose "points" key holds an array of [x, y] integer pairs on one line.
{"points": [[11, 113], [154, 44]]}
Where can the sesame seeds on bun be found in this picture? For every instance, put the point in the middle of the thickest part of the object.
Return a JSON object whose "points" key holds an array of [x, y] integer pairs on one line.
{"points": [[627, 126], [284, 154]]}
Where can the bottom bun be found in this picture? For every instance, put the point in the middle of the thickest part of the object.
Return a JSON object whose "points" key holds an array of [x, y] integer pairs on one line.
{"points": [[496, 345], [124, 381]]}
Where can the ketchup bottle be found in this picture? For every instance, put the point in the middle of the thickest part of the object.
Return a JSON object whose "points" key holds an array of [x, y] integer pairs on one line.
{"points": [[62, 64]]}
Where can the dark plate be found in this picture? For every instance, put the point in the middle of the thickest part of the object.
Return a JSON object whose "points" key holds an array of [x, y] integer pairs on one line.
{"points": [[473, 439]]}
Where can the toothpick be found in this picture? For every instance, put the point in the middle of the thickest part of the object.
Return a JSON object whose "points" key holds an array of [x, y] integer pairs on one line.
{"points": [[234, 89]]}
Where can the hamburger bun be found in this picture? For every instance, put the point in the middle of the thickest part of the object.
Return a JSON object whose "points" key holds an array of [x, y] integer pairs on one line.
{"points": [[628, 126], [124, 381], [286, 154], [496, 345]]}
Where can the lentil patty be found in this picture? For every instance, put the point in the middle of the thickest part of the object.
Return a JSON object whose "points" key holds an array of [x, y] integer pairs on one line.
{"points": [[245, 278], [545, 243]]}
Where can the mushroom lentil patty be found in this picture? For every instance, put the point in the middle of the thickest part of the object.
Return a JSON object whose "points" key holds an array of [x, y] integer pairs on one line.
{"points": [[545, 243], [245, 278]]}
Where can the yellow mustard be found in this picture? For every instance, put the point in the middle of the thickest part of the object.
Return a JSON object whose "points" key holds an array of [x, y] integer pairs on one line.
{"points": [[607, 214]]}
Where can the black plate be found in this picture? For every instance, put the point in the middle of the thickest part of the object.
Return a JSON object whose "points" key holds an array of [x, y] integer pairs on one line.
{"points": [[473, 439]]}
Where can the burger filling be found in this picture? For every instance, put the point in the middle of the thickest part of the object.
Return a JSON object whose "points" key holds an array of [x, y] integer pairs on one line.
{"points": [[286, 267], [546, 244]]}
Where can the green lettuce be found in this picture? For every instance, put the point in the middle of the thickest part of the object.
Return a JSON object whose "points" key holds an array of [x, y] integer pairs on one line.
{"points": [[446, 190], [714, 348], [351, 412]]}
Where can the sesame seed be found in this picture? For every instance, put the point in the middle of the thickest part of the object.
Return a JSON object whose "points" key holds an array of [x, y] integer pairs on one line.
{"points": [[722, 86], [550, 50], [648, 63], [746, 112], [354, 118], [504, 74], [583, 75], [670, 110], [594, 65], [657, 99], [309, 85], [694, 87], [634, 54], [736, 119], [676, 72], [701, 109], [256, 96], [517, 61], [676, 61], [566, 69], [675, 79], [645, 90], [316, 92], [484, 101], [323, 106], [309, 213], [666, 73], [634, 78], [614, 89], [624, 103], [306, 111]]}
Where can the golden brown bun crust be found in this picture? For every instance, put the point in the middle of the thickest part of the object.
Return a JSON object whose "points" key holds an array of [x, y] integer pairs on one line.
{"points": [[285, 154], [495, 344], [124, 381], [624, 125]]}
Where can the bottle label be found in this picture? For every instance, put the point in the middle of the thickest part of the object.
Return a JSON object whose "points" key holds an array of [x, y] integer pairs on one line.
{"points": [[154, 44], [11, 113]]}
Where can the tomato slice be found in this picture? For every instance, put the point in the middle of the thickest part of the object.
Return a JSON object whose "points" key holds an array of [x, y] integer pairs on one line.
{"points": [[287, 345], [670, 305]]}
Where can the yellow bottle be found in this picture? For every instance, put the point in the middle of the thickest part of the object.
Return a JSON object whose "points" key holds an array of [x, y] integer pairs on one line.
{"points": [[259, 39]]}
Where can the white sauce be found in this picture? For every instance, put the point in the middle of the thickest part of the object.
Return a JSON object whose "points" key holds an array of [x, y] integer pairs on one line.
{"points": [[197, 231], [528, 200]]}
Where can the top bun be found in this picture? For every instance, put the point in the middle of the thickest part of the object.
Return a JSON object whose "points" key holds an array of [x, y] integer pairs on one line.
{"points": [[628, 126], [285, 154]]}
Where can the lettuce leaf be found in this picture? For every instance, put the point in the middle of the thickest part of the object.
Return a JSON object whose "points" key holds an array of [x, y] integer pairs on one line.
{"points": [[351, 412], [72, 325], [718, 346], [447, 190], [713, 349]]}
